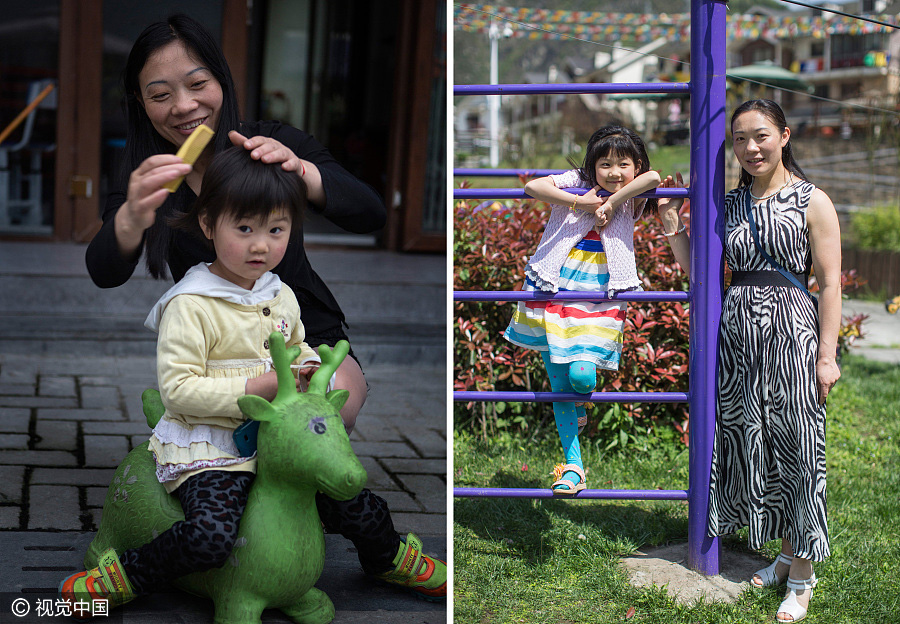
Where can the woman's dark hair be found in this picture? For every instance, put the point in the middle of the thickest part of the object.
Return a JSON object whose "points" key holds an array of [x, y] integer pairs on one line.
{"points": [[771, 111], [619, 141], [143, 141], [236, 185]]}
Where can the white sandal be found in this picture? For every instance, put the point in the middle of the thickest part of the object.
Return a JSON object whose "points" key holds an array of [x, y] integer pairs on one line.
{"points": [[791, 606], [566, 485], [767, 575]]}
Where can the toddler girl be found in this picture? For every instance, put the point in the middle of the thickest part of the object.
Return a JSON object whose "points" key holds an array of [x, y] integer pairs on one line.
{"points": [[213, 348]]}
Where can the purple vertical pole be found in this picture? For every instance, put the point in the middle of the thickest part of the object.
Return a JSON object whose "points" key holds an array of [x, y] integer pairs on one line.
{"points": [[707, 182]]}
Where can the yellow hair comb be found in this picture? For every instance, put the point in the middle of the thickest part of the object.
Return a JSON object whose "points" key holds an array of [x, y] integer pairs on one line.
{"points": [[190, 151]]}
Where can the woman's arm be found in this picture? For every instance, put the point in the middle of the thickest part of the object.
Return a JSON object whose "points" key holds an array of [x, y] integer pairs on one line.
{"points": [[825, 245], [335, 193]]}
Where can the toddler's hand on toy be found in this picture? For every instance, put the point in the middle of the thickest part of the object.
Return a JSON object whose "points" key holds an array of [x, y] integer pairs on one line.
{"points": [[308, 371], [265, 386]]}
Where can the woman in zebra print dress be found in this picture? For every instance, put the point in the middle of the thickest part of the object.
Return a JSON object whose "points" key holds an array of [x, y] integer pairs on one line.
{"points": [[776, 355]]}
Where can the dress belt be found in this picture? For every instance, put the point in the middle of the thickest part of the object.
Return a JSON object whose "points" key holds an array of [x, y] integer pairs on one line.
{"points": [[765, 278]]}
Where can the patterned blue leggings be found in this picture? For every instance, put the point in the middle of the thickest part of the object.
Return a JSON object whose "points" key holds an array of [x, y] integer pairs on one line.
{"points": [[578, 377]]}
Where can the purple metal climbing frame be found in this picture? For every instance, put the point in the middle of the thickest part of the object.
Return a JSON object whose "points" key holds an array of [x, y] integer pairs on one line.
{"points": [[707, 192]]}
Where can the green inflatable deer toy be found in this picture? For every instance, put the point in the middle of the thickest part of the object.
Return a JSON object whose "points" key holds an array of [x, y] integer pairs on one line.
{"points": [[280, 551]]}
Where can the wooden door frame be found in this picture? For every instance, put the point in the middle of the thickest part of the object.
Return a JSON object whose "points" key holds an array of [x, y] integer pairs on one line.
{"points": [[78, 118], [412, 98]]}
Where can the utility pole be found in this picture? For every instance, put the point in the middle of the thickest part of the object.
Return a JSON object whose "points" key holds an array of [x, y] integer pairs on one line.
{"points": [[495, 33]]}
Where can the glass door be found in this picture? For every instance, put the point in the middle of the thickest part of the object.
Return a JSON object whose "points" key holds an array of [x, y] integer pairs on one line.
{"points": [[29, 95]]}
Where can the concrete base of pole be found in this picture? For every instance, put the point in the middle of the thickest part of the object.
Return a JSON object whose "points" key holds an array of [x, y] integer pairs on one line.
{"points": [[667, 567]]}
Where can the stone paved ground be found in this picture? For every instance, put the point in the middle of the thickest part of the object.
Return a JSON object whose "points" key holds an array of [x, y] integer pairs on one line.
{"points": [[70, 410]]}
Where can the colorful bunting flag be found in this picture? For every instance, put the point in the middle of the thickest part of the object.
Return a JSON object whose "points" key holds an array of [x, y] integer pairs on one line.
{"points": [[643, 28]]}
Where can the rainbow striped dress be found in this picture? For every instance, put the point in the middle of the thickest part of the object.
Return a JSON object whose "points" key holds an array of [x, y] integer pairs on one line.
{"points": [[574, 330]]}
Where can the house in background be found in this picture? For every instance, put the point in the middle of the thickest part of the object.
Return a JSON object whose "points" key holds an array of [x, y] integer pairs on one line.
{"points": [[859, 66], [840, 59]]}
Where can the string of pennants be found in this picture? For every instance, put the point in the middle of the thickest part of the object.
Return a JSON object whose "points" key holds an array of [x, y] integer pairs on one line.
{"points": [[645, 27]]}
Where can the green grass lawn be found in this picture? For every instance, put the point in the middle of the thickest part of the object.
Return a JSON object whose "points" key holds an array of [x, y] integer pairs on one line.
{"points": [[556, 561]]}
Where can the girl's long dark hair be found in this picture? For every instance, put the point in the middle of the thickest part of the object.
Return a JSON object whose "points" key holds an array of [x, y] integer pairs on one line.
{"points": [[620, 141], [771, 111], [143, 141]]}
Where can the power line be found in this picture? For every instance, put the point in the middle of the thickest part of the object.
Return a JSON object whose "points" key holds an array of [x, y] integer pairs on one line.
{"points": [[850, 15]]}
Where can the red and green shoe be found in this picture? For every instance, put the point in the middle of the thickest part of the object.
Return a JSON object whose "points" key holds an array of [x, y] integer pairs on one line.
{"points": [[107, 582], [416, 572]]}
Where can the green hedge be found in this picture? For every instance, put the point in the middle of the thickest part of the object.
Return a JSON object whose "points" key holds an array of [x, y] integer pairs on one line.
{"points": [[878, 228]]}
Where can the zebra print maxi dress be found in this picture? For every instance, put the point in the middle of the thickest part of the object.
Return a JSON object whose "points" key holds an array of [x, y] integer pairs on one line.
{"points": [[768, 468]]}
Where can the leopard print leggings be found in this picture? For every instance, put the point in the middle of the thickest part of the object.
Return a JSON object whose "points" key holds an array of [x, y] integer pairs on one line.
{"points": [[213, 503]]}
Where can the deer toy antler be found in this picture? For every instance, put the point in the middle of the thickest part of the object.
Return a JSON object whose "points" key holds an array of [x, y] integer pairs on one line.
{"points": [[282, 358], [331, 359]]}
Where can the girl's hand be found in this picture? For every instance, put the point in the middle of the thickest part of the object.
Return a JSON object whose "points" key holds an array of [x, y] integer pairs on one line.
{"points": [[146, 192], [270, 151], [266, 386], [827, 374], [307, 371], [591, 201], [604, 214]]}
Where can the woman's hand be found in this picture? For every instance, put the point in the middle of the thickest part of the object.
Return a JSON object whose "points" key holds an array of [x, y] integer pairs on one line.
{"points": [[271, 151], [827, 374], [146, 193], [669, 206], [678, 239]]}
